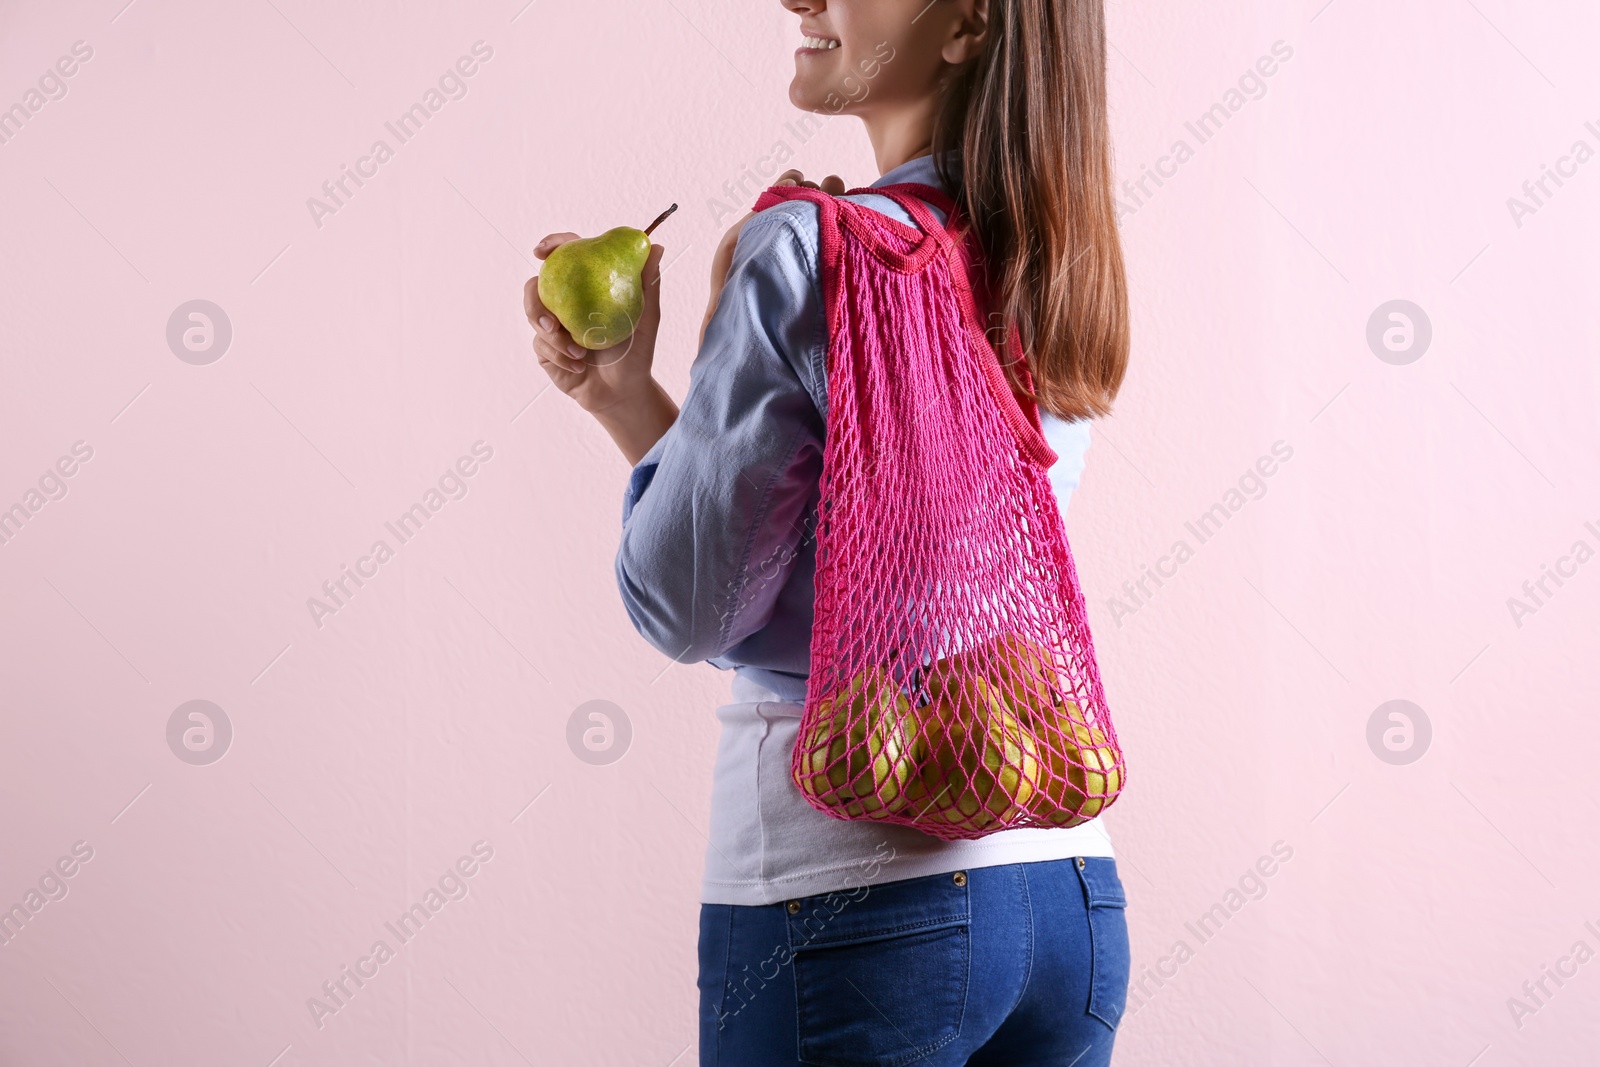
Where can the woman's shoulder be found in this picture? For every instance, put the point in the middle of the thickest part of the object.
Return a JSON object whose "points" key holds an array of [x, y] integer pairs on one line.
{"points": [[794, 227], [886, 206], [787, 233]]}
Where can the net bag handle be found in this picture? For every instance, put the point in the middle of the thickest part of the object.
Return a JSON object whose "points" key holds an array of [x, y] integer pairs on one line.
{"points": [[1021, 413]]}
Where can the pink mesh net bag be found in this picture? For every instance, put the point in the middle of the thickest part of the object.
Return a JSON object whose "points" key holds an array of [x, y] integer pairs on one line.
{"points": [[953, 679]]}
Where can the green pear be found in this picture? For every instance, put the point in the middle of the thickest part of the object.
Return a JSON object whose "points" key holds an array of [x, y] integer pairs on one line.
{"points": [[594, 285]]}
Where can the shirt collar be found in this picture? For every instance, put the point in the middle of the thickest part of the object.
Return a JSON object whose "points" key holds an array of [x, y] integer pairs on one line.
{"points": [[920, 170]]}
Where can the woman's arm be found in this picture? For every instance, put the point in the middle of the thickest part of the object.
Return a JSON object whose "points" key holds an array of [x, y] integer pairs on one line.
{"points": [[616, 385], [637, 423], [714, 512]]}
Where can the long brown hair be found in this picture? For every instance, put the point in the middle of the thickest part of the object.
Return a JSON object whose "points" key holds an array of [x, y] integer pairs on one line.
{"points": [[1029, 119]]}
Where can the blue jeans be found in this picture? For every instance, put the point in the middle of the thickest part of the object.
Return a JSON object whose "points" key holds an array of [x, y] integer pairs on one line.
{"points": [[1023, 965]]}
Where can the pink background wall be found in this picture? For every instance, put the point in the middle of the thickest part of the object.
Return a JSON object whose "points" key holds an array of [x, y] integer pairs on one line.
{"points": [[371, 753]]}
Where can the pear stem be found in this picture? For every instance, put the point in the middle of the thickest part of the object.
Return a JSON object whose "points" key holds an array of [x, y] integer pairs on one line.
{"points": [[660, 219]]}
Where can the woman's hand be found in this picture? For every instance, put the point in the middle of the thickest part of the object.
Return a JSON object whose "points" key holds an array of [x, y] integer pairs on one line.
{"points": [[722, 259], [603, 378], [612, 384]]}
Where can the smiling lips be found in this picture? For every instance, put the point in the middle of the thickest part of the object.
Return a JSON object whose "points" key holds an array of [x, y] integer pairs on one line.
{"points": [[816, 44]]}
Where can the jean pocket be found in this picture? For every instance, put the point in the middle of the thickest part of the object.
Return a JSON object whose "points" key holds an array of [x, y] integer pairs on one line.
{"points": [[881, 979], [1107, 905]]}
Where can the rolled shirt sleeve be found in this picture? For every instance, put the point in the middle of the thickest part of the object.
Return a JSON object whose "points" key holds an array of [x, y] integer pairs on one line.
{"points": [[718, 506]]}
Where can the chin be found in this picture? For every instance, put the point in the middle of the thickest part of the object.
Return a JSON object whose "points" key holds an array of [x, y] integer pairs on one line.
{"points": [[817, 95], [802, 97]]}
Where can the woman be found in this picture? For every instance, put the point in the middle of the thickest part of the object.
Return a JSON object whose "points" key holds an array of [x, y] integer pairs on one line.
{"points": [[825, 941]]}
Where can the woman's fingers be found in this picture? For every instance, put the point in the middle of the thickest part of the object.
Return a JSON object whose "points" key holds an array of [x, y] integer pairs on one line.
{"points": [[650, 279], [551, 243], [534, 308], [794, 177], [832, 184], [540, 317], [561, 378], [558, 355], [550, 338], [562, 358]]}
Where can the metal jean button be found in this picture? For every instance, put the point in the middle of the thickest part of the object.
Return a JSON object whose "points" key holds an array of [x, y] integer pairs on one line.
{"points": [[959, 878], [794, 907]]}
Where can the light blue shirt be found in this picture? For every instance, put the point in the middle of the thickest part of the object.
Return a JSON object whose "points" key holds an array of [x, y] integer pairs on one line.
{"points": [[718, 545]]}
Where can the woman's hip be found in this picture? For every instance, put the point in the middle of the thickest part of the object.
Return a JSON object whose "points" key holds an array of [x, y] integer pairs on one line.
{"points": [[1024, 963]]}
